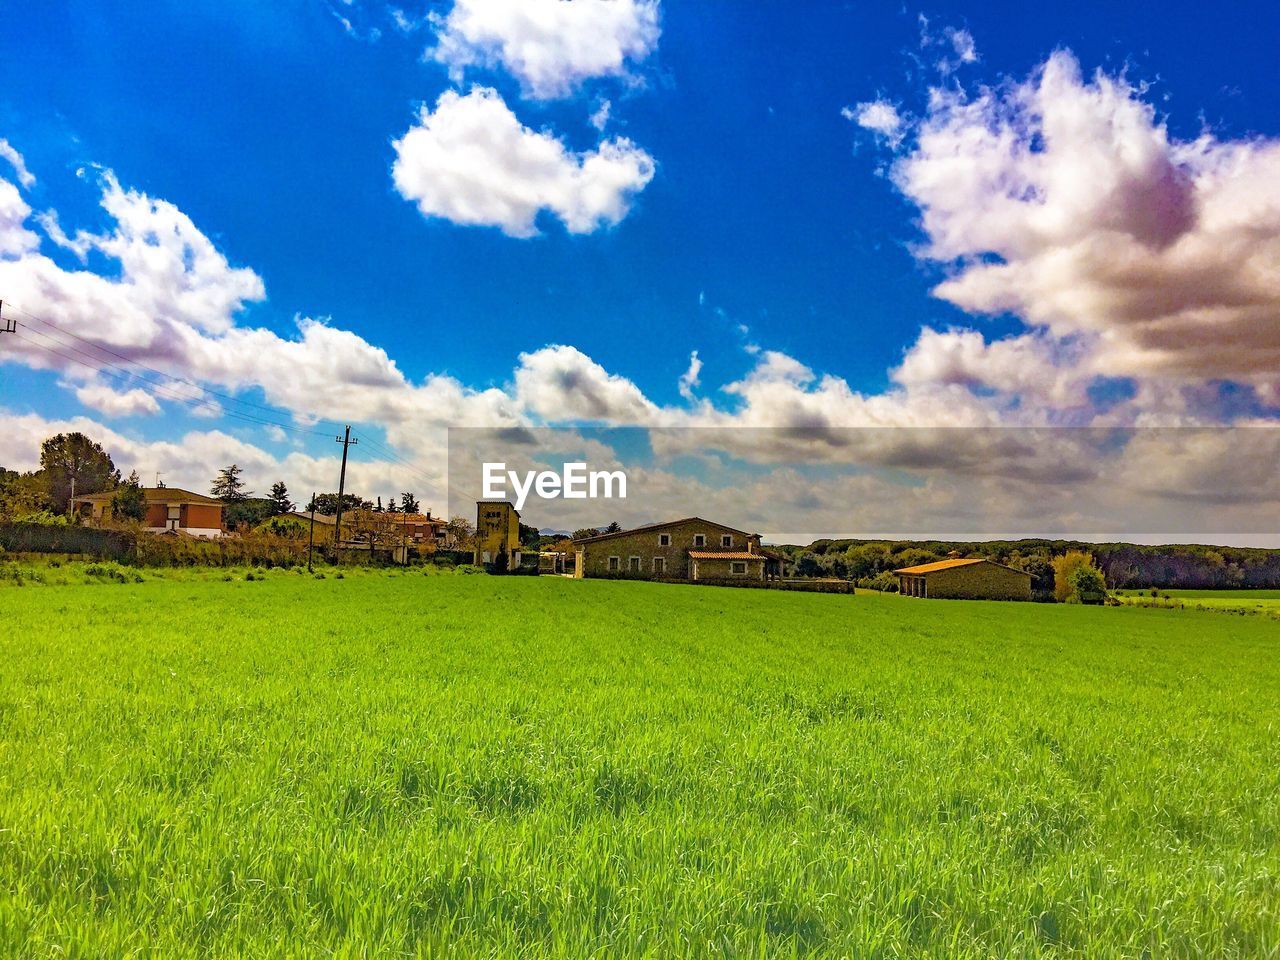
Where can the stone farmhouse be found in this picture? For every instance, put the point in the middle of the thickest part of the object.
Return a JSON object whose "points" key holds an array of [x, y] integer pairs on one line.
{"points": [[974, 578], [691, 549]]}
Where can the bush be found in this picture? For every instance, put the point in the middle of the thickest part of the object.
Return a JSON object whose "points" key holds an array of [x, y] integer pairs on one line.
{"points": [[1088, 585]]}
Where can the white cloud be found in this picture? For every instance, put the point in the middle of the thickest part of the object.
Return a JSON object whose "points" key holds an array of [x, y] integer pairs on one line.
{"points": [[561, 383], [689, 379], [600, 118], [551, 46], [117, 403], [1067, 202], [15, 238], [471, 161], [879, 116], [962, 44], [15, 160]]}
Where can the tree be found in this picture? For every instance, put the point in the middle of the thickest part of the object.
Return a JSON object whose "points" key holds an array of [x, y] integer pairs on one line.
{"points": [[23, 494], [128, 502], [1042, 576], [529, 536], [613, 527], [228, 487], [459, 534], [248, 513], [375, 527], [1063, 567], [279, 499], [74, 457], [1088, 585], [378, 508], [409, 503], [585, 532], [327, 503]]}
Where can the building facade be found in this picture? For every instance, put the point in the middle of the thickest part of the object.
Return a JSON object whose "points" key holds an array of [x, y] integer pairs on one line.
{"points": [[964, 579], [168, 510], [688, 549], [498, 536]]}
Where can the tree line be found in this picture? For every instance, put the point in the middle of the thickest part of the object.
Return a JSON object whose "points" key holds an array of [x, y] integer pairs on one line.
{"points": [[1123, 565]]}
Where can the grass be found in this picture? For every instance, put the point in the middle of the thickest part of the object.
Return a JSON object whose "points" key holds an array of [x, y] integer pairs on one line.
{"points": [[1266, 602], [469, 766]]}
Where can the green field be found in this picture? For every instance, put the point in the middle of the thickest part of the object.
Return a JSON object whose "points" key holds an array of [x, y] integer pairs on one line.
{"points": [[1224, 601], [449, 765]]}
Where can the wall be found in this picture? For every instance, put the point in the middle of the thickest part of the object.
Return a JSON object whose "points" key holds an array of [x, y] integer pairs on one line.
{"points": [[202, 515], [721, 570], [644, 544], [979, 581]]}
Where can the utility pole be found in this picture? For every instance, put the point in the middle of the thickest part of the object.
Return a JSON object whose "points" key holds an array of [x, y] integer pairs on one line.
{"points": [[404, 536], [71, 504], [346, 441], [7, 324], [311, 537]]}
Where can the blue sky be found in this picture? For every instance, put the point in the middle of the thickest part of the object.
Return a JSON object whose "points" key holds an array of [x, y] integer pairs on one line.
{"points": [[771, 227]]}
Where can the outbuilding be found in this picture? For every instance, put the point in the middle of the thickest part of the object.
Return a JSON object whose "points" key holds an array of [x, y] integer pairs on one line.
{"points": [[972, 578]]}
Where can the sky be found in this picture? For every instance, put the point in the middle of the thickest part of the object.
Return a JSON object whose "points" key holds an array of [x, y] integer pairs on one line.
{"points": [[410, 216]]}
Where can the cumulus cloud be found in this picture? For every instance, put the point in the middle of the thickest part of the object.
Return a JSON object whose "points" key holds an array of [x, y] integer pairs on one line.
{"points": [[1067, 202], [15, 238], [880, 117], [561, 383], [117, 403], [551, 46], [471, 161]]}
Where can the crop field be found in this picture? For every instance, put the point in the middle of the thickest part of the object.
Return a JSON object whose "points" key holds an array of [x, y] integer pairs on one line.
{"points": [[398, 765]]}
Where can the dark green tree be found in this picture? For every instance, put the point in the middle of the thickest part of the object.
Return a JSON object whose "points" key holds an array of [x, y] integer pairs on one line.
{"points": [[327, 503], [279, 499], [409, 503], [73, 456], [128, 502], [585, 532], [228, 487]]}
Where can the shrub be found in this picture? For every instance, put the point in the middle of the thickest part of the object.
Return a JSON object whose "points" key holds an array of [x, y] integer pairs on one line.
{"points": [[1088, 585], [1064, 568]]}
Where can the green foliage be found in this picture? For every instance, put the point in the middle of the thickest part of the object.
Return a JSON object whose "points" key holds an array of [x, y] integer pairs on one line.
{"points": [[247, 513], [128, 503], [469, 766], [584, 532], [1087, 585], [228, 487], [409, 503], [279, 499], [74, 457], [327, 503]]}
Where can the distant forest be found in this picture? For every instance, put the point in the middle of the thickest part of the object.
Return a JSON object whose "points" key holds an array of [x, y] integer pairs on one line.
{"points": [[1125, 565]]}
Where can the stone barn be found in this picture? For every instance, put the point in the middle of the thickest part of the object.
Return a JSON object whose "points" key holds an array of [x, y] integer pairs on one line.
{"points": [[974, 578]]}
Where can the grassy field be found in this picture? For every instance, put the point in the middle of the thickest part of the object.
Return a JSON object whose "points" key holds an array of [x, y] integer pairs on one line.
{"points": [[1224, 601], [449, 765]]}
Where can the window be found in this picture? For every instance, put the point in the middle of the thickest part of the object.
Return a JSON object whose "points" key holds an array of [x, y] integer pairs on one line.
{"points": [[738, 567], [726, 540], [634, 564], [664, 539], [659, 564], [699, 540], [615, 564]]}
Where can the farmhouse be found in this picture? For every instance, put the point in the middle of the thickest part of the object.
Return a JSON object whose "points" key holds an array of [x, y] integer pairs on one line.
{"points": [[688, 549], [169, 510], [964, 579]]}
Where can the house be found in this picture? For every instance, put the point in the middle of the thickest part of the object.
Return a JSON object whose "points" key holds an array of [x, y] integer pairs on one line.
{"points": [[690, 549], [169, 510], [498, 536], [418, 528], [973, 578]]}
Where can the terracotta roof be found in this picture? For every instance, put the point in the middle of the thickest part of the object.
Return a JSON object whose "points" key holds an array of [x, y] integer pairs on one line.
{"points": [[950, 564], [157, 495], [725, 555], [649, 527]]}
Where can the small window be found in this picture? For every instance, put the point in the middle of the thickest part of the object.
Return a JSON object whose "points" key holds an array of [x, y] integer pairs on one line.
{"points": [[726, 540], [615, 564], [664, 539], [738, 567], [659, 564], [634, 564], [699, 540]]}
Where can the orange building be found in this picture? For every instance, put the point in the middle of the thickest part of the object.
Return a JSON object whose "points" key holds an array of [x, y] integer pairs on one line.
{"points": [[169, 509]]}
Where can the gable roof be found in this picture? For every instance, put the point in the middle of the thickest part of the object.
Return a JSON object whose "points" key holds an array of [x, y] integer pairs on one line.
{"points": [[952, 564], [157, 495], [653, 527]]}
